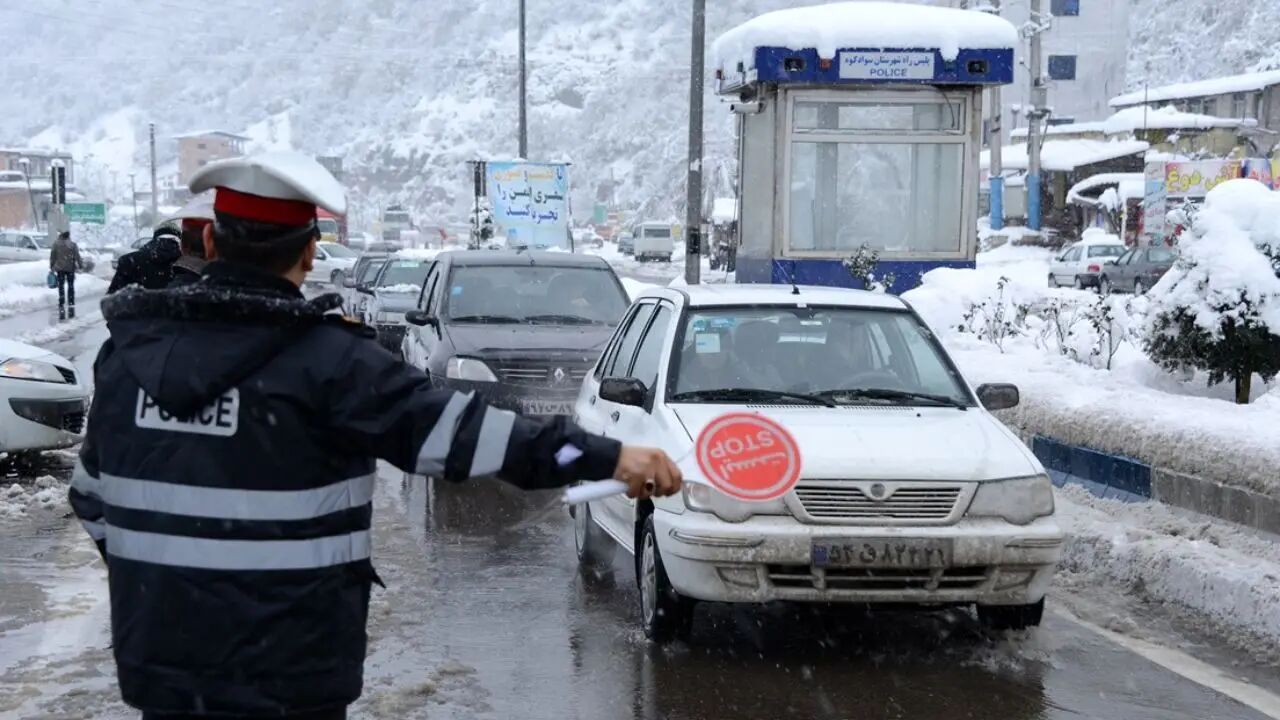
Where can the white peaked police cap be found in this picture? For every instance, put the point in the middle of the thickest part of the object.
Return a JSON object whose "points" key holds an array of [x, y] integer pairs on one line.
{"points": [[283, 188], [198, 209]]}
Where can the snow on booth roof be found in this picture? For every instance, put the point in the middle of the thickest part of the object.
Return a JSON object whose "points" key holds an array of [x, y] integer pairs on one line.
{"points": [[829, 28]]}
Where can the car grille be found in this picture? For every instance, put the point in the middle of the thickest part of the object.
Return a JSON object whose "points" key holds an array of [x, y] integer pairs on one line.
{"points": [[804, 576], [67, 374], [854, 500], [541, 373], [73, 422]]}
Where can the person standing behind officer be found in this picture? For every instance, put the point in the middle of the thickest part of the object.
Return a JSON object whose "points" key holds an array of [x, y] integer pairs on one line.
{"points": [[194, 216], [150, 266], [229, 463], [64, 261]]}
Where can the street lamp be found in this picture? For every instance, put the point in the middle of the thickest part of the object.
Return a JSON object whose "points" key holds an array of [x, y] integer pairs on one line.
{"points": [[133, 194], [25, 164]]}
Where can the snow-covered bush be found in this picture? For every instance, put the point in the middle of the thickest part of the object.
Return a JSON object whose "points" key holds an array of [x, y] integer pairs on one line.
{"points": [[862, 266], [1218, 309]]}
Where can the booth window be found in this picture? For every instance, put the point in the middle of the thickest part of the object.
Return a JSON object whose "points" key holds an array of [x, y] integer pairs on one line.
{"points": [[883, 174], [1062, 67], [1064, 8]]}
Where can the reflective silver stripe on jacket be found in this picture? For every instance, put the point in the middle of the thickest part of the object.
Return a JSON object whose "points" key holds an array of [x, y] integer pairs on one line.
{"points": [[491, 448], [435, 448], [96, 529], [85, 483], [235, 503], [205, 554]]}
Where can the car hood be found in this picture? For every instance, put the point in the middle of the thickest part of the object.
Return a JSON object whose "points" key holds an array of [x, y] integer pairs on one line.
{"points": [[483, 340], [12, 349], [888, 442]]}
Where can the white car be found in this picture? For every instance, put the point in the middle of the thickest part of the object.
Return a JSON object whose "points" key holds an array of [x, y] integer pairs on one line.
{"points": [[23, 245], [42, 399], [332, 262], [1080, 265], [911, 492]]}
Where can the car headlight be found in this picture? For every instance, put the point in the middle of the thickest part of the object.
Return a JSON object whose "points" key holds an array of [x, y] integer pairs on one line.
{"points": [[461, 368], [1018, 501], [700, 497], [20, 369]]}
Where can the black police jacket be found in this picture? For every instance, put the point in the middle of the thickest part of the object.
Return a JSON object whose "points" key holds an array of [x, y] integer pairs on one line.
{"points": [[150, 266], [228, 470]]}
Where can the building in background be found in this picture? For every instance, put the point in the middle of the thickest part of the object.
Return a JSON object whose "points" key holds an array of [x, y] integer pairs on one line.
{"points": [[197, 149], [1253, 96], [39, 162], [1085, 50]]}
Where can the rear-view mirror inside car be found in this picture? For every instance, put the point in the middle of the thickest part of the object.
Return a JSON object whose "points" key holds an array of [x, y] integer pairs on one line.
{"points": [[624, 391], [999, 396]]}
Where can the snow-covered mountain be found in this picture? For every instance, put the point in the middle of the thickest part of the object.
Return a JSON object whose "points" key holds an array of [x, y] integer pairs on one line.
{"points": [[408, 90]]}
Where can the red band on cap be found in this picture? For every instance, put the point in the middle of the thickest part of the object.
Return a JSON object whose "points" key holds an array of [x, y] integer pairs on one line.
{"points": [[261, 209]]}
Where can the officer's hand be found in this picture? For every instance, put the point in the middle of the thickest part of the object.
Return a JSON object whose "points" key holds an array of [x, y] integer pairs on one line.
{"points": [[647, 472]]}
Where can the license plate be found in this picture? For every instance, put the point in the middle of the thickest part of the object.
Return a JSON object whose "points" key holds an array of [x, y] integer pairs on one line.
{"points": [[548, 407], [883, 553]]}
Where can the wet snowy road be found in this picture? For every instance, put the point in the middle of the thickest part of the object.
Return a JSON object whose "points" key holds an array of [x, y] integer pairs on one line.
{"points": [[486, 616]]}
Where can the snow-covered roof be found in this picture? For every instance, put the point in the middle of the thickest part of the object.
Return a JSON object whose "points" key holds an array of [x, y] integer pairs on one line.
{"points": [[1167, 118], [1067, 129], [1250, 82], [1123, 185], [36, 152], [864, 25], [207, 133], [724, 210], [1066, 155]]}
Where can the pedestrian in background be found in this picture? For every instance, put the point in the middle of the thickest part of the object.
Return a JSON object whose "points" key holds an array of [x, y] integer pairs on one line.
{"points": [[64, 261]]}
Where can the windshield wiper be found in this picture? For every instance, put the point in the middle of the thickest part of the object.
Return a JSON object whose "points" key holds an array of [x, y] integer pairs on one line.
{"points": [[749, 394], [890, 394], [566, 319], [495, 319]]}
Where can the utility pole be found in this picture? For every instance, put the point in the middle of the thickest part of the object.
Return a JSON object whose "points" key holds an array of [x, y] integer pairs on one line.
{"points": [[693, 211], [1036, 115], [133, 196], [25, 164], [996, 141], [155, 191], [524, 90]]}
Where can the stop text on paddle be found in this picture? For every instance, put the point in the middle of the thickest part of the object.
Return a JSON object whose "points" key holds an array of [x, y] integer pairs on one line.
{"points": [[748, 457]]}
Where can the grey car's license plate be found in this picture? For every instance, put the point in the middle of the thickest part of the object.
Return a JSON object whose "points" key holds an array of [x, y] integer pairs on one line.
{"points": [[548, 407], [883, 553]]}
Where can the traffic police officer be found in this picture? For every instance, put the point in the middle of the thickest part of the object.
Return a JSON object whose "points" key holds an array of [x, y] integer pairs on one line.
{"points": [[195, 216], [229, 463]]}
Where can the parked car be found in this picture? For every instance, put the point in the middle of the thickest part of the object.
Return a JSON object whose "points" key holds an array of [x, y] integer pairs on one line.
{"points": [[520, 328], [393, 292], [365, 271], [896, 449], [1080, 265], [626, 243], [331, 263], [23, 245], [42, 399], [1136, 270], [653, 241]]}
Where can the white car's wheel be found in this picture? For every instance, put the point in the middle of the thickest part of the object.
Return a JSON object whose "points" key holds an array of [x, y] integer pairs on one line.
{"points": [[1079, 283], [595, 547], [1138, 287], [1053, 280], [1011, 617], [666, 615]]}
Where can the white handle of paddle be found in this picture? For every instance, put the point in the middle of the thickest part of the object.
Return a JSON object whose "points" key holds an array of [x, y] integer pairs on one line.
{"points": [[592, 491]]}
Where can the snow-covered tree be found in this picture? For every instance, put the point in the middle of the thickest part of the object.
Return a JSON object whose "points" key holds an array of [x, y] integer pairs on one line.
{"points": [[1218, 309]]}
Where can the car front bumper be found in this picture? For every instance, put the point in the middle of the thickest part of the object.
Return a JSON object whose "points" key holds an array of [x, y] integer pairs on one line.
{"points": [[528, 400], [768, 558], [41, 416]]}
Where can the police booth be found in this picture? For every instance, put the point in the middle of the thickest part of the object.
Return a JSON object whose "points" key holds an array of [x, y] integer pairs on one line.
{"points": [[864, 147]]}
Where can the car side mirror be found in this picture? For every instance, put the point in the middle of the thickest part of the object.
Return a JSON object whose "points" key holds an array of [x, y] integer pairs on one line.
{"points": [[624, 391], [348, 282], [999, 396], [421, 318], [364, 289]]}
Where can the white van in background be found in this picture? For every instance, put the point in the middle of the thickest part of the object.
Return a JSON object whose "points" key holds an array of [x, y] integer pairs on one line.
{"points": [[654, 241]]}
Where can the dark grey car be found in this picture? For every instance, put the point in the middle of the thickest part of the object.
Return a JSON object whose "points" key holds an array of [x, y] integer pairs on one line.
{"points": [[1136, 270]]}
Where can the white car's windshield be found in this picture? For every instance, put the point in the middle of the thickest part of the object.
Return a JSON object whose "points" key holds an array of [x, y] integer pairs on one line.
{"points": [[400, 273], [535, 294], [1106, 250], [327, 226], [835, 355]]}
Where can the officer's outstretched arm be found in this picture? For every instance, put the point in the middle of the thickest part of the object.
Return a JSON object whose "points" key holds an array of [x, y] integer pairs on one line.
{"points": [[390, 411]]}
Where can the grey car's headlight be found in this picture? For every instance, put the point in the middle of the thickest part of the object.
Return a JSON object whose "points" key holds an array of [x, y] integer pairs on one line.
{"points": [[20, 369], [700, 497], [1019, 500], [461, 368]]}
